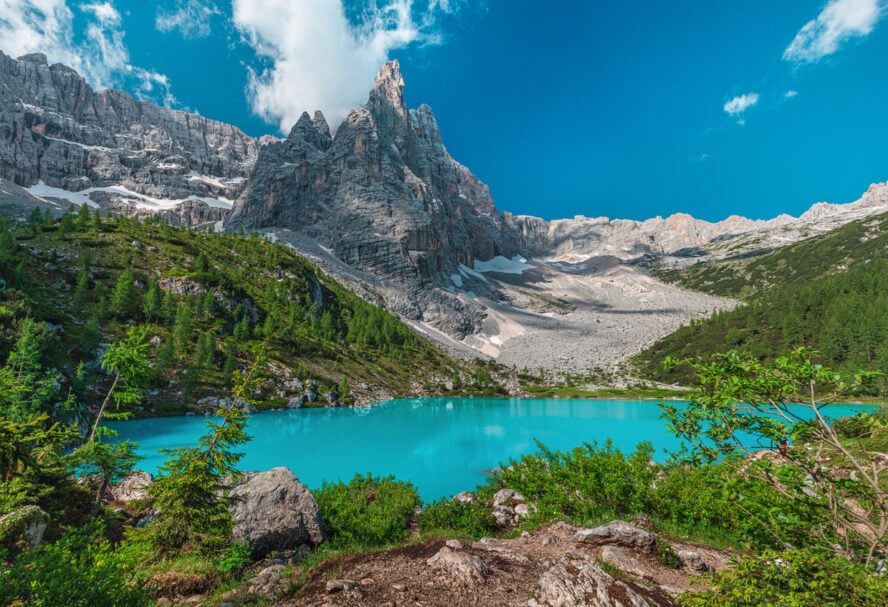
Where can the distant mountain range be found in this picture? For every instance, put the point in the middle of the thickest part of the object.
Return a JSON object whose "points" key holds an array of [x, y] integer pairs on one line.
{"points": [[380, 202]]}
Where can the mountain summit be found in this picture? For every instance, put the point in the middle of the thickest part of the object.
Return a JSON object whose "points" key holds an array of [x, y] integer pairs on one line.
{"points": [[384, 196]]}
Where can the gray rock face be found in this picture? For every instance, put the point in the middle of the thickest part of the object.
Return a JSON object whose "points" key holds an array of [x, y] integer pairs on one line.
{"points": [[54, 128], [617, 533], [25, 524], [579, 583], [274, 511], [133, 487], [384, 195]]}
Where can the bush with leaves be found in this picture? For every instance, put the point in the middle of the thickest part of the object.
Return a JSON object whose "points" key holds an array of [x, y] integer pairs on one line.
{"points": [[81, 569], [794, 578], [454, 516], [586, 483], [368, 511], [824, 491]]}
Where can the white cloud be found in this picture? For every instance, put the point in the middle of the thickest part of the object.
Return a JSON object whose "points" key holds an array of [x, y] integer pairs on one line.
{"points": [[318, 58], [790, 94], [740, 104], [838, 22], [190, 17], [47, 26]]}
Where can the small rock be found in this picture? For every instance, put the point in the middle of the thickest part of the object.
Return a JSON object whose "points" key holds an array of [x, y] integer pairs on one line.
{"points": [[692, 560], [465, 497], [334, 586], [454, 544], [466, 569], [399, 587], [503, 516], [295, 403]]}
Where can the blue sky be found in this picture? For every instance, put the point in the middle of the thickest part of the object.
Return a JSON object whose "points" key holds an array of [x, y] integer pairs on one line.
{"points": [[624, 108]]}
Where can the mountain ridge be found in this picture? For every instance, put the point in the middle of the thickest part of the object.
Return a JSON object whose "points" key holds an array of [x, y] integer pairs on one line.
{"points": [[380, 203]]}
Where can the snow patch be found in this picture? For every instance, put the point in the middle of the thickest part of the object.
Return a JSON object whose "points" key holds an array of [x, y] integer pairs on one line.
{"points": [[43, 191], [503, 265], [457, 280], [467, 271], [82, 145]]}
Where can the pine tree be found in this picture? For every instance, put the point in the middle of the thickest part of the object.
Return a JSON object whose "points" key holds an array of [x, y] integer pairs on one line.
{"points": [[124, 296], [153, 300], [191, 495], [183, 329], [83, 216]]}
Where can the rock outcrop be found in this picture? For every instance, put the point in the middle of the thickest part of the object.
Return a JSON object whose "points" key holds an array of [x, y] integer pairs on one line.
{"points": [[56, 131], [133, 487], [274, 511], [384, 196]]}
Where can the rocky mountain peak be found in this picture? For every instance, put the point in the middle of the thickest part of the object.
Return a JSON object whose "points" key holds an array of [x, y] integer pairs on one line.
{"points": [[321, 126], [38, 58], [389, 81], [305, 133]]}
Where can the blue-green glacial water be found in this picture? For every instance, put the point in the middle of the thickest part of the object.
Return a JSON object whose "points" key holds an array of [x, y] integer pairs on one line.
{"points": [[442, 445]]}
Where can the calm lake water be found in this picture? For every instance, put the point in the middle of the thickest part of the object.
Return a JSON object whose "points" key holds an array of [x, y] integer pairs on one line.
{"points": [[442, 445]]}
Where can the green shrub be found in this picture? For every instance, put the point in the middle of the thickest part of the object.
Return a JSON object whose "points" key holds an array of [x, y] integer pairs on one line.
{"points": [[689, 495], [468, 518], [80, 570], [368, 511], [796, 578], [236, 556], [587, 483]]}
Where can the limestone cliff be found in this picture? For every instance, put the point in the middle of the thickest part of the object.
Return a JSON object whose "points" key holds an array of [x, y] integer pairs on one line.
{"points": [[383, 195], [56, 130]]}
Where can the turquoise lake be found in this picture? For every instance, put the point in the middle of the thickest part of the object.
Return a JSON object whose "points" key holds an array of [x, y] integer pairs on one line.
{"points": [[442, 445]]}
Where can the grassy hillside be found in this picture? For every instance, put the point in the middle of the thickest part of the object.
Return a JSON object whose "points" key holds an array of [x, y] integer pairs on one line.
{"points": [[749, 278], [207, 299], [829, 292]]}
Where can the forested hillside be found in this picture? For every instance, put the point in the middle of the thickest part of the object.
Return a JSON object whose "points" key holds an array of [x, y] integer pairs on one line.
{"points": [[829, 293], [72, 285]]}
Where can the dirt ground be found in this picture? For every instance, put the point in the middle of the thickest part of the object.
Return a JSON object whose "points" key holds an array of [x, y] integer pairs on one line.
{"points": [[510, 573]]}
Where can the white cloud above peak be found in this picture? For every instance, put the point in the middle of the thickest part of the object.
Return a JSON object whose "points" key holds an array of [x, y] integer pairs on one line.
{"points": [[739, 104], [102, 58], [190, 17], [317, 59], [838, 22]]}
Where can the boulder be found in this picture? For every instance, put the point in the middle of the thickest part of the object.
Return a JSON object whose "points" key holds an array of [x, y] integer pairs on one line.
{"points": [[296, 402], [573, 584], [463, 568], [617, 557], [134, 486], [507, 497], [26, 524], [617, 533], [465, 497], [274, 511]]}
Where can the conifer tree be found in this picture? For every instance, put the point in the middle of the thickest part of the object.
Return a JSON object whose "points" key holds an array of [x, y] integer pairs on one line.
{"points": [[191, 495], [124, 296]]}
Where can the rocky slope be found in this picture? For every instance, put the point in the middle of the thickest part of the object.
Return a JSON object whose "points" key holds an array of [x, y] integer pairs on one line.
{"points": [[66, 143], [382, 205]]}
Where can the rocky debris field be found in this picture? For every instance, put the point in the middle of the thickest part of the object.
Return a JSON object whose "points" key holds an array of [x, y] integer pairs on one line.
{"points": [[557, 565]]}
